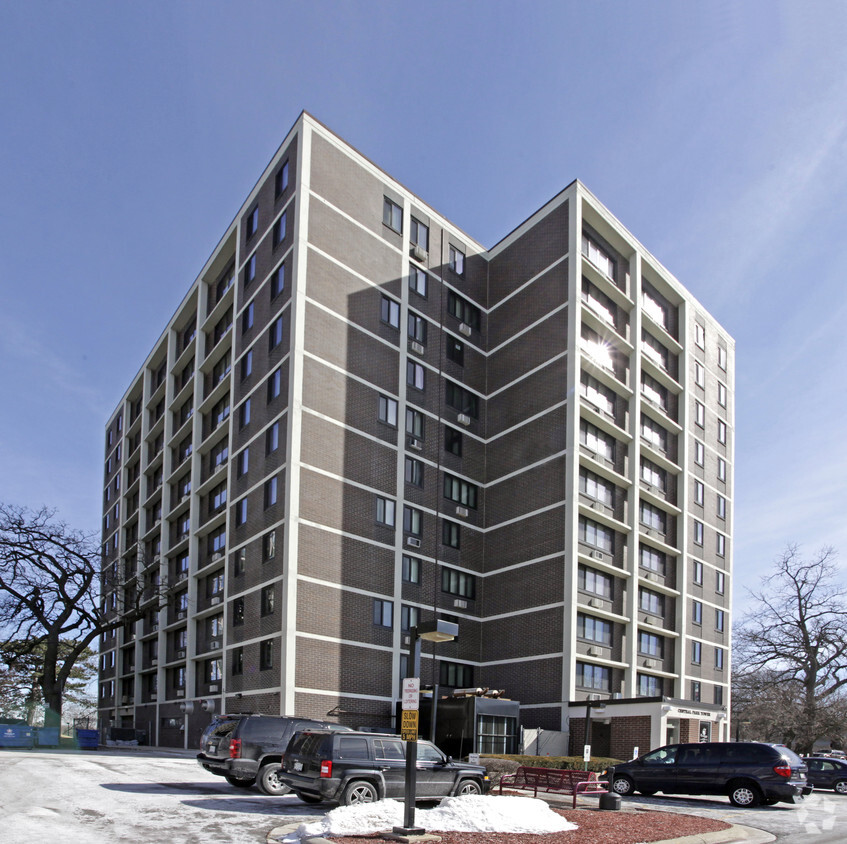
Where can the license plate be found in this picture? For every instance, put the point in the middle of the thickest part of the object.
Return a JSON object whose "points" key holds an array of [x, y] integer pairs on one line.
{"points": [[298, 766]]}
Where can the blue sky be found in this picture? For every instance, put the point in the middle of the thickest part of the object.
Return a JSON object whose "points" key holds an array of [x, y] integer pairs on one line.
{"points": [[717, 132]]}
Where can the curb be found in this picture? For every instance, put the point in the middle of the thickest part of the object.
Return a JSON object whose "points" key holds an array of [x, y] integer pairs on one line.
{"points": [[736, 834]]}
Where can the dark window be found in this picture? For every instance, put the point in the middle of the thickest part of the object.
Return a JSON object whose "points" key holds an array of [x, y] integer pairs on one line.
{"points": [[417, 328], [419, 234], [456, 675], [252, 222], [452, 441], [389, 311], [281, 180], [266, 655], [462, 400], [411, 569], [463, 310], [383, 613], [268, 600], [414, 472], [238, 661], [392, 215], [280, 227], [456, 260], [462, 492], [247, 318], [460, 583], [278, 281], [456, 350], [451, 533]]}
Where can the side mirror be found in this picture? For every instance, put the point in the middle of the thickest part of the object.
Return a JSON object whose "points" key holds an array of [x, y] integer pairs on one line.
{"points": [[449, 760]]}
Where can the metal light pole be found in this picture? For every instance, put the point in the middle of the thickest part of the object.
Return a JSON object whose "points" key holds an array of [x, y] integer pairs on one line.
{"points": [[432, 631]]}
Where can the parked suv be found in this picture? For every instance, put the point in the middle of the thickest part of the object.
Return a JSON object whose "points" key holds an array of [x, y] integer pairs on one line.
{"points": [[747, 772], [248, 749], [352, 768], [827, 773]]}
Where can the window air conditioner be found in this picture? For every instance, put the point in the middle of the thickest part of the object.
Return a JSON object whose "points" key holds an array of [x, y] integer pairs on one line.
{"points": [[180, 615], [216, 599], [597, 555], [595, 602], [154, 661], [413, 542], [592, 651], [594, 697], [214, 687], [214, 646], [464, 419], [180, 654], [180, 692], [418, 253], [617, 695], [650, 663], [648, 619], [460, 603], [465, 329], [415, 443], [416, 347], [217, 555], [462, 511]]}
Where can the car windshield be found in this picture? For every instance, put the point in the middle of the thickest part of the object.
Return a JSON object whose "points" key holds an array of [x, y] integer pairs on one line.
{"points": [[789, 755]]}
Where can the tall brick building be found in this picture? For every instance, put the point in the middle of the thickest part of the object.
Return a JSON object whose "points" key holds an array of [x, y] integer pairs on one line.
{"points": [[359, 417]]}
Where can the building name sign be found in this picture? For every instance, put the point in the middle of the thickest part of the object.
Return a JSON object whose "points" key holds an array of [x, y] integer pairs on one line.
{"points": [[696, 712]]}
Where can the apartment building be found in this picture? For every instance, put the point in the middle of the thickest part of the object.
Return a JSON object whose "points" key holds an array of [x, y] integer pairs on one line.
{"points": [[359, 419]]}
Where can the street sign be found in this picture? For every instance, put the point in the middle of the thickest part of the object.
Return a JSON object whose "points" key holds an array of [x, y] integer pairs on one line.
{"points": [[411, 693], [409, 725], [586, 753]]}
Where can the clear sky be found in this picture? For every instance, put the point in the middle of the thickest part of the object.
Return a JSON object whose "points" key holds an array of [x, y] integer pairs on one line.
{"points": [[130, 133]]}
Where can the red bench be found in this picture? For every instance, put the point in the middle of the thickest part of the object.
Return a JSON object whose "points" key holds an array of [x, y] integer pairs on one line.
{"points": [[554, 781]]}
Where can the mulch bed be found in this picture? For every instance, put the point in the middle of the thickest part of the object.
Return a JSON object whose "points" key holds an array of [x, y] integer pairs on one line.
{"points": [[595, 827]]}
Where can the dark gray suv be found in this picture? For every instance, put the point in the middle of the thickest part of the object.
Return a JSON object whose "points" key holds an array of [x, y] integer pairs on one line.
{"points": [[248, 749], [747, 772], [352, 768]]}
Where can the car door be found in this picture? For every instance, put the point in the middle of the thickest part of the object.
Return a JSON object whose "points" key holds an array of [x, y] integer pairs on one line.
{"points": [[655, 770], [390, 757], [697, 769], [435, 777]]}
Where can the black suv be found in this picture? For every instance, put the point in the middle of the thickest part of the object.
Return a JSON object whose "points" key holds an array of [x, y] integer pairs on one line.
{"points": [[827, 772], [747, 772], [248, 749], [352, 768]]}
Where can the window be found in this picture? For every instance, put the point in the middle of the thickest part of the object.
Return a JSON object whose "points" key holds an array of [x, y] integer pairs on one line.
{"points": [[721, 394], [593, 676], [241, 512], [247, 319], [700, 414], [721, 431], [270, 492], [698, 572], [215, 626], [392, 215], [653, 475], [238, 612], [652, 560], [242, 462], [651, 602], [597, 488], [409, 617], [217, 540], [280, 227], [720, 620], [244, 413], [419, 234], [462, 492], [417, 328], [281, 179], [452, 441], [697, 612], [456, 260], [278, 281], [272, 438], [388, 411], [219, 455], [696, 653], [250, 270], [721, 469], [654, 433], [221, 369], [455, 582], [268, 600], [649, 686], [654, 392], [414, 472], [274, 384], [451, 533], [699, 374], [699, 492], [412, 520], [411, 569], [463, 310], [720, 582], [719, 659], [598, 256], [720, 545], [594, 629], [275, 334], [597, 441], [699, 453], [593, 533], [269, 545], [718, 692], [415, 423], [652, 517], [721, 507], [600, 396], [239, 561], [415, 375], [700, 335], [462, 400], [650, 644], [595, 582], [383, 613], [247, 365], [252, 222], [217, 498], [389, 311], [695, 691], [722, 356], [698, 532], [266, 655], [654, 309], [237, 661], [456, 675], [417, 281], [385, 511], [455, 350]]}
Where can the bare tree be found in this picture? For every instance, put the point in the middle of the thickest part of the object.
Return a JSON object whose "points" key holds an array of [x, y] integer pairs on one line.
{"points": [[50, 597], [791, 651]]}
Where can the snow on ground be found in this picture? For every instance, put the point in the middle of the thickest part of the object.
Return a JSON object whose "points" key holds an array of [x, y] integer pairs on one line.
{"points": [[469, 813]]}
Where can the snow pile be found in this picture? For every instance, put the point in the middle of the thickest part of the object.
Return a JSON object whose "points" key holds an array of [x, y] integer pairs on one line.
{"points": [[469, 813]]}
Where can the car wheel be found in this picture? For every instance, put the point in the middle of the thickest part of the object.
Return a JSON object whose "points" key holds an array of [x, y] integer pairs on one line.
{"points": [[840, 786], [469, 787], [744, 795], [238, 782], [308, 798], [623, 786], [269, 781], [359, 791]]}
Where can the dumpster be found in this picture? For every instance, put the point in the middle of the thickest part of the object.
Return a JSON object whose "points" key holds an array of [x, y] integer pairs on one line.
{"points": [[87, 739], [47, 736], [16, 735]]}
